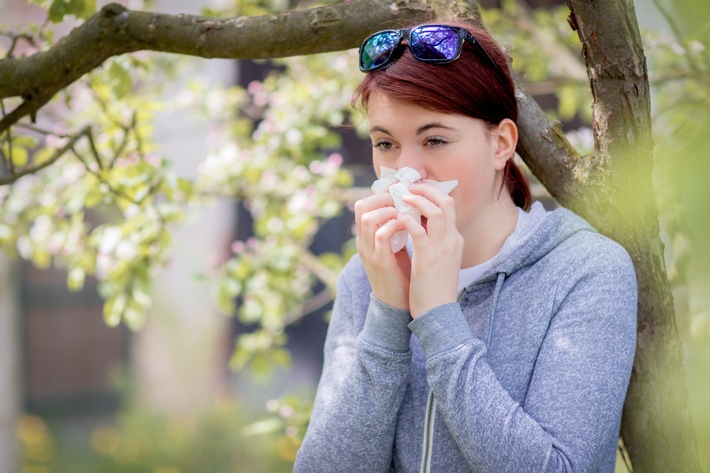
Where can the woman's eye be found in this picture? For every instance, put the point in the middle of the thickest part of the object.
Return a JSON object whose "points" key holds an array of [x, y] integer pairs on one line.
{"points": [[383, 145], [436, 141]]}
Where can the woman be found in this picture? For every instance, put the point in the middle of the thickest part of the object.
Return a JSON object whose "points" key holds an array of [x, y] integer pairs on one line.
{"points": [[523, 321]]}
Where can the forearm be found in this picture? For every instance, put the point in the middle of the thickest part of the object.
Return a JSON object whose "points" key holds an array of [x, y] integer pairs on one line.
{"points": [[354, 418]]}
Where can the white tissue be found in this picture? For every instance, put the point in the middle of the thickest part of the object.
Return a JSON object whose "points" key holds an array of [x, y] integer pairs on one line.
{"points": [[398, 182]]}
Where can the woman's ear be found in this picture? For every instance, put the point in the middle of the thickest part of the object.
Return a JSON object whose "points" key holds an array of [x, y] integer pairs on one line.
{"points": [[506, 140]]}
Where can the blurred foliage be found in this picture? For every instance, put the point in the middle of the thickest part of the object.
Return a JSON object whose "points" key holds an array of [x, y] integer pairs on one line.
{"points": [[679, 64], [224, 439], [106, 206], [58, 9], [546, 52], [291, 180]]}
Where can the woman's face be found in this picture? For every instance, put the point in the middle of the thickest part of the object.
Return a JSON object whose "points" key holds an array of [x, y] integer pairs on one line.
{"points": [[442, 147]]}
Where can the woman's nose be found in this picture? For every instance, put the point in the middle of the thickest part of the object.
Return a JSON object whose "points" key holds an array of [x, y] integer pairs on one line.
{"points": [[412, 160]]}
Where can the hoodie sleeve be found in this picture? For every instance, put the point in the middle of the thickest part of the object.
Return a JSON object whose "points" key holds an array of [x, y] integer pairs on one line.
{"points": [[361, 388], [569, 419]]}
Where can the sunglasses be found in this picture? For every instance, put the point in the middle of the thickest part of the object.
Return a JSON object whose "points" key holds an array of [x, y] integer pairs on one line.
{"points": [[436, 44]]}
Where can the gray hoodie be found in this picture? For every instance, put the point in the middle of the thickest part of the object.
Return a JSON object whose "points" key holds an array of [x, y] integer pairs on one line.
{"points": [[526, 373]]}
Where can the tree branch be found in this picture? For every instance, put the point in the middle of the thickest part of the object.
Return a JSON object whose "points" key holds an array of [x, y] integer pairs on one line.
{"points": [[116, 30], [545, 149]]}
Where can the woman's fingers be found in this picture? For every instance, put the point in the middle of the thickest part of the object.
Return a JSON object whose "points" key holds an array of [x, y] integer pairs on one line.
{"points": [[437, 207], [372, 212], [372, 202], [438, 247], [370, 224], [376, 223], [436, 196], [384, 234]]}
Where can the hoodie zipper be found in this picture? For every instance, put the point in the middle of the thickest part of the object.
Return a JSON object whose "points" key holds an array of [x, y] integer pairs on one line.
{"points": [[428, 433], [429, 418]]}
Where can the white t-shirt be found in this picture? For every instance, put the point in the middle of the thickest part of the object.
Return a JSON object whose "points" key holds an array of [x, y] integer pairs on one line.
{"points": [[468, 275]]}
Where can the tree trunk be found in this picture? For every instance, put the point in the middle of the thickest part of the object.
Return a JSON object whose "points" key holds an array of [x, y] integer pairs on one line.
{"points": [[615, 193]]}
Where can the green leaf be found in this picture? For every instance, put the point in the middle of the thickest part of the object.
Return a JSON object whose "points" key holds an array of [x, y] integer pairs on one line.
{"points": [[134, 317], [240, 358], [75, 279], [43, 155], [57, 11], [120, 80], [87, 9], [114, 309], [19, 156], [281, 357], [79, 8], [41, 258], [266, 426], [26, 141]]}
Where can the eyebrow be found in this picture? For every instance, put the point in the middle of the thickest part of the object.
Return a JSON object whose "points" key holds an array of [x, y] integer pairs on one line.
{"points": [[420, 130], [429, 126], [380, 129]]}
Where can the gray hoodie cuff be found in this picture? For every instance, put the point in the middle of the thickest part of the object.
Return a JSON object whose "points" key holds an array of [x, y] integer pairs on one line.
{"points": [[441, 329], [386, 327]]}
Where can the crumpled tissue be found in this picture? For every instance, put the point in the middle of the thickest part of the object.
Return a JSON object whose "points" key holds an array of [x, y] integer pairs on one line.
{"points": [[398, 182]]}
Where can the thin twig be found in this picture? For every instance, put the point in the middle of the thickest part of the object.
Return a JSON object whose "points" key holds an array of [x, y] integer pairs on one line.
{"points": [[99, 176], [95, 151], [105, 108], [316, 302], [671, 22], [568, 62], [139, 139], [40, 130], [679, 36], [14, 39], [325, 274], [118, 193], [124, 140], [36, 167], [29, 106]]}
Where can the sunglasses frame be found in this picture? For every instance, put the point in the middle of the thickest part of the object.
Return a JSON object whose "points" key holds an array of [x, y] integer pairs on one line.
{"points": [[461, 33]]}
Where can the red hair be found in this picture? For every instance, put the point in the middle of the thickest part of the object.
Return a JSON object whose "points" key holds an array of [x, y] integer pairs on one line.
{"points": [[468, 86]]}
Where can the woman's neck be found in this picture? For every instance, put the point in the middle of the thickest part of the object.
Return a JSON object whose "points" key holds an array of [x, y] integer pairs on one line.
{"points": [[485, 236]]}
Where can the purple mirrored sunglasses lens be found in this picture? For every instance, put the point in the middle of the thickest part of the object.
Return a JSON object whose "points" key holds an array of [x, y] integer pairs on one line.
{"points": [[435, 43]]}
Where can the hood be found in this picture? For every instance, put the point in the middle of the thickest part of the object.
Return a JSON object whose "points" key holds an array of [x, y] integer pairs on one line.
{"points": [[538, 234]]}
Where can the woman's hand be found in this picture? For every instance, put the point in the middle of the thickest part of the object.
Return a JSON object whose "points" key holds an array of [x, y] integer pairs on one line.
{"points": [[388, 272], [438, 249]]}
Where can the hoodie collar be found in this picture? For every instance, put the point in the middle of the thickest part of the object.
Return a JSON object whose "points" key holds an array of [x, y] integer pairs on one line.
{"points": [[535, 237]]}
